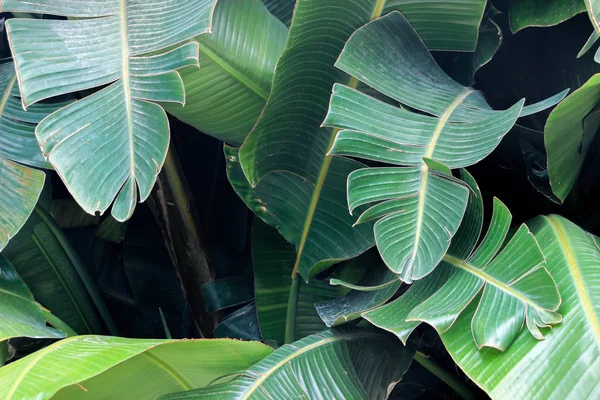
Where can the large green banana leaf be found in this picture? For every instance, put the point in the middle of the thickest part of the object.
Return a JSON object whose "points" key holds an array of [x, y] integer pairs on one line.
{"points": [[42, 263], [20, 314], [507, 280], [419, 206], [104, 367], [568, 134], [21, 186], [566, 363], [111, 144], [287, 148], [359, 364], [225, 96], [526, 13]]}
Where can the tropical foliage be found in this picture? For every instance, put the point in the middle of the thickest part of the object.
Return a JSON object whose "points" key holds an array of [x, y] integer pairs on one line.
{"points": [[361, 199]]}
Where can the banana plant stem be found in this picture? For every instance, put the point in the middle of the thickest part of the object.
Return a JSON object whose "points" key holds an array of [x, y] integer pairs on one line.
{"points": [[292, 308], [87, 280], [57, 322], [444, 376]]}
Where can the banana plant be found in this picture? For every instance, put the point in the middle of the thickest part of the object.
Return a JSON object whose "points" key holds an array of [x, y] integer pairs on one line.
{"points": [[112, 367], [110, 145], [19, 150], [361, 364], [418, 206], [564, 363]]}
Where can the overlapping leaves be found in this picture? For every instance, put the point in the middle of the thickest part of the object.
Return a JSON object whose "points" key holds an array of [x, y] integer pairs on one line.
{"points": [[419, 205], [360, 364], [111, 144]]}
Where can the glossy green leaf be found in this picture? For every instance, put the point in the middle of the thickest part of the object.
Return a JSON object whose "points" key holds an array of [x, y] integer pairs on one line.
{"points": [[273, 260], [594, 36], [593, 9], [43, 265], [569, 131], [565, 363], [287, 148], [227, 292], [526, 13], [359, 364], [508, 281], [225, 96], [20, 314], [100, 367], [418, 209], [110, 145], [241, 324]]}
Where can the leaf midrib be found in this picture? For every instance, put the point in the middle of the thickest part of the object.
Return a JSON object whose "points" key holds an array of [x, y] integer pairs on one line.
{"points": [[425, 172], [234, 72], [577, 278], [126, 84], [6, 94], [458, 263], [287, 359]]}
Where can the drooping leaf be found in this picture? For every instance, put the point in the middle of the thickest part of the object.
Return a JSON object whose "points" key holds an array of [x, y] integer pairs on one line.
{"points": [[227, 292], [42, 263], [241, 324], [565, 364], [568, 133], [273, 260], [112, 144], [526, 13], [418, 208], [359, 364], [225, 96], [20, 314], [100, 367]]}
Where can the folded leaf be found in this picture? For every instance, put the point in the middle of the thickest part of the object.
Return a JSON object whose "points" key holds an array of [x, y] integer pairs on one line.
{"points": [[359, 364], [419, 209], [100, 367], [112, 144], [566, 363]]}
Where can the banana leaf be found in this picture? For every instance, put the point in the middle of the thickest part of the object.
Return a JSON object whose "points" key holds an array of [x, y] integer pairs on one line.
{"points": [[565, 363], [359, 364], [104, 367], [111, 145]]}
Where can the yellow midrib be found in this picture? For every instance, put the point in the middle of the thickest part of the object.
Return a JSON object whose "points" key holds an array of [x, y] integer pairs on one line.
{"points": [[126, 84], [36, 357], [582, 292], [378, 9], [489, 279], [424, 173]]}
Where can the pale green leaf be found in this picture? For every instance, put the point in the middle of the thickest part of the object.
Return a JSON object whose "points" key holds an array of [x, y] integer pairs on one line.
{"points": [[101, 367]]}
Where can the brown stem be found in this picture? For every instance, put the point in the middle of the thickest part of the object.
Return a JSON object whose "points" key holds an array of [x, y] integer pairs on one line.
{"points": [[177, 218]]}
